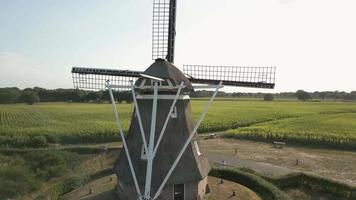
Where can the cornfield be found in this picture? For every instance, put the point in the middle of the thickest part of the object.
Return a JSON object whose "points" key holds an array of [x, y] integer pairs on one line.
{"points": [[324, 123]]}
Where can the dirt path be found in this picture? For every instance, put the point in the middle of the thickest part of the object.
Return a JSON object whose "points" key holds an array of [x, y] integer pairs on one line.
{"points": [[264, 168], [264, 158]]}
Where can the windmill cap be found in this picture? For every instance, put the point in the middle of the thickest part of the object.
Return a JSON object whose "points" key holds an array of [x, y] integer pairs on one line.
{"points": [[166, 70]]}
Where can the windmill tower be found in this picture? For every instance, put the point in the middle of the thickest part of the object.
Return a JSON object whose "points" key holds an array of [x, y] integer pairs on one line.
{"points": [[161, 157]]}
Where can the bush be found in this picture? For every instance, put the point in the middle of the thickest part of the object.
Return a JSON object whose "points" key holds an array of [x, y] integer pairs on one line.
{"points": [[316, 183], [16, 181], [53, 139], [303, 95], [259, 185], [38, 141], [22, 171], [268, 97], [51, 164], [73, 183]]}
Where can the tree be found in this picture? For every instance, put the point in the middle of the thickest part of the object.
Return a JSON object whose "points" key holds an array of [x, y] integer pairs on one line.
{"points": [[73, 95], [105, 96], [268, 97], [93, 96], [322, 95], [303, 95], [29, 97], [9, 95]]}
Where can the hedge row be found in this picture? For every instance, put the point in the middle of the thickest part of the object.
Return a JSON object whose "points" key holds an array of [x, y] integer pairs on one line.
{"points": [[336, 143], [315, 183], [263, 188], [39, 141]]}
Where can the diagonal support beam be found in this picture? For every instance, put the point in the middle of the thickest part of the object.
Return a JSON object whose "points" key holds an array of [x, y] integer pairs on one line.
{"points": [[119, 126], [181, 86], [187, 142], [139, 117], [151, 142]]}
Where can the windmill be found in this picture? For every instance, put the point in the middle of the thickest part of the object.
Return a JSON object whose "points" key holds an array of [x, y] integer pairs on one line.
{"points": [[161, 157]]}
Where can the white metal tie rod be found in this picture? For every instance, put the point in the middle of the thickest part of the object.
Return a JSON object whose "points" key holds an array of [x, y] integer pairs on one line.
{"points": [[139, 117], [188, 141], [167, 118], [151, 143], [123, 140]]}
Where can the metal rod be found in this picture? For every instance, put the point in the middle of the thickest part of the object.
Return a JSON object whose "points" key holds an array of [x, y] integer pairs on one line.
{"points": [[187, 142], [143, 87], [123, 140], [151, 142], [167, 119], [138, 116], [206, 86]]}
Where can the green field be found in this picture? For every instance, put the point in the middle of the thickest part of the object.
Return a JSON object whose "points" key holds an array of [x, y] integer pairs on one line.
{"points": [[325, 122]]}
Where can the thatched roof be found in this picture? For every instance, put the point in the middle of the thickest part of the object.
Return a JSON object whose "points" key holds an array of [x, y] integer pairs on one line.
{"points": [[166, 70]]}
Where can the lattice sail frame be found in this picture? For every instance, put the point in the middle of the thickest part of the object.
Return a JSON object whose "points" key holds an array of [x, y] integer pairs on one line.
{"points": [[160, 28], [96, 79], [257, 77]]}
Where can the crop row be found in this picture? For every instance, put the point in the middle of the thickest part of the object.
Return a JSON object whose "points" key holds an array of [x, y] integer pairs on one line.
{"points": [[323, 130], [83, 123]]}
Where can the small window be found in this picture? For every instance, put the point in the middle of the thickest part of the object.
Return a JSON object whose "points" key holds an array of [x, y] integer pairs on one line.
{"points": [[174, 112], [143, 153], [197, 148], [179, 192]]}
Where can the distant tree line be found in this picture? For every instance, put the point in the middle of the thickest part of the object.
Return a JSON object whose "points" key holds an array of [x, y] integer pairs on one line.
{"points": [[300, 95], [36, 94]]}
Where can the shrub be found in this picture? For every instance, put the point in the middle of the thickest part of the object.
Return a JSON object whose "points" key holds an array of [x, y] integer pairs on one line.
{"points": [[303, 95], [38, 141], [53, 139], [268, 97], [16, 181], [259, 185], [316, 183], [51, 164]]}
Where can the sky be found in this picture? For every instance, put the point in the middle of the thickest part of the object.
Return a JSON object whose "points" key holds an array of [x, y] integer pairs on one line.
{"points": [[311, 42]]}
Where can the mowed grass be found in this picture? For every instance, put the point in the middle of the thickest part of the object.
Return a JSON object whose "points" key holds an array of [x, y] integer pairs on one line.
{"points": [[86, 122]]}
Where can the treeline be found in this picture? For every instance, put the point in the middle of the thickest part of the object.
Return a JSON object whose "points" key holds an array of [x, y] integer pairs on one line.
{"points": [[300, 94], [37, 94]]}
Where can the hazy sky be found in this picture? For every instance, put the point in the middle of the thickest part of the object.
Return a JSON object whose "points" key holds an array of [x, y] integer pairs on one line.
{"points": [[312, 42]]}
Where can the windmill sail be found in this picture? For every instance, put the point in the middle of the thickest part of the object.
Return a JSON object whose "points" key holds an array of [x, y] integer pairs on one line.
{"points": [[163, 29], [255, 77], [96, 79]]}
